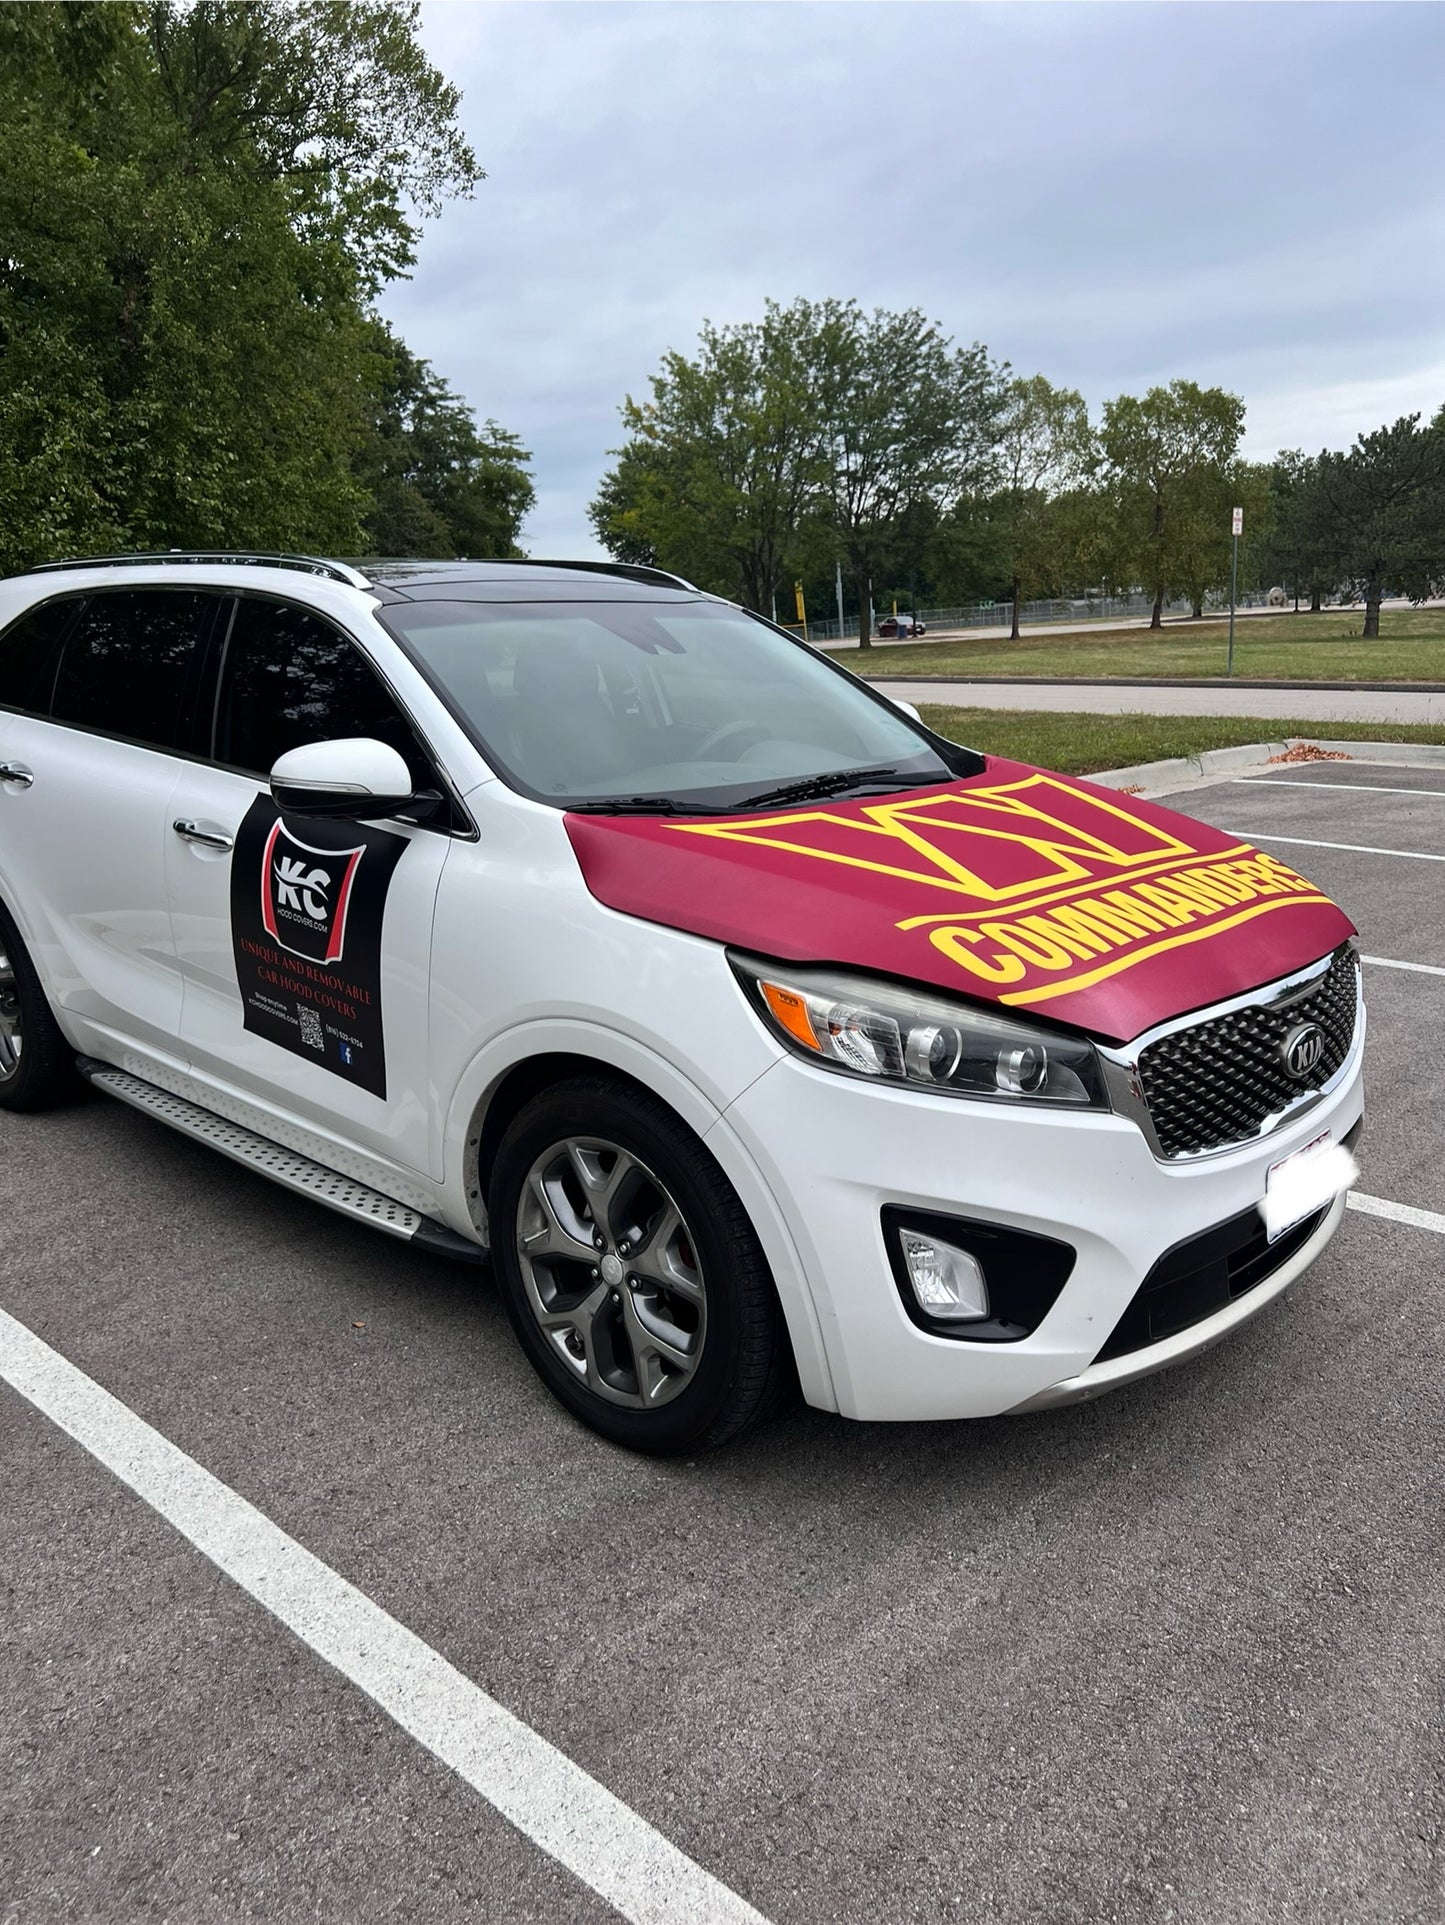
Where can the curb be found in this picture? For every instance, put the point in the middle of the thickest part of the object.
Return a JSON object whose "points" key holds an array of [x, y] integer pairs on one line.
{"points": [[1222, 765]]}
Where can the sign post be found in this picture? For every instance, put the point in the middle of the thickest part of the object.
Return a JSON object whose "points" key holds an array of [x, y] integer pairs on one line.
{"points": [[1237, 529], [802, 610]]}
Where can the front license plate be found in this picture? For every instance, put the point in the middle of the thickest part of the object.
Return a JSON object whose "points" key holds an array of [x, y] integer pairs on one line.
{"points": [[1303, 1182]]}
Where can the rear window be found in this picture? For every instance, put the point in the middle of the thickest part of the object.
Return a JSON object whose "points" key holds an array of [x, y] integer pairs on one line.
{"points": [[127, 665], [27, 656]]}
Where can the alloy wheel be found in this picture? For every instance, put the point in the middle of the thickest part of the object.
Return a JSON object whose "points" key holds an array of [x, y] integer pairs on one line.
{"points": [[10, 1026], [611, 1272]]}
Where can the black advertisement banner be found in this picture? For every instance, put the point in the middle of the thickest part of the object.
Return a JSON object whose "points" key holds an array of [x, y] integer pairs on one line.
{"points": [[308, 899]]}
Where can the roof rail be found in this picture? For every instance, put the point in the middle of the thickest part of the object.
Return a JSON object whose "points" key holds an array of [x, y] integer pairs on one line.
{"points": [[337, 571], [630, 571]]}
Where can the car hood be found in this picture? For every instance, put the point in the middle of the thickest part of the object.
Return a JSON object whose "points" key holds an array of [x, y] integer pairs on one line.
{"points": [[1033, 891]]}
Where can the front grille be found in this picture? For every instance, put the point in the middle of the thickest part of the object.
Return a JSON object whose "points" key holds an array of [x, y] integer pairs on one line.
{"points": [[1218, 1082]]}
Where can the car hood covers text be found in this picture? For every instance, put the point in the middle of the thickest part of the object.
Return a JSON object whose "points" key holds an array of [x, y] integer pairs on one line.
{"points": [[1034, 891]]}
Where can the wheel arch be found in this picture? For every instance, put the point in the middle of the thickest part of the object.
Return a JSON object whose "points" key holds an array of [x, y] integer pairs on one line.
{"points": [[517, 1066]]}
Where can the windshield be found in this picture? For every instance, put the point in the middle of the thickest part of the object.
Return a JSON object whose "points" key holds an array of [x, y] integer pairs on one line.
{"points": [[690, 704]]}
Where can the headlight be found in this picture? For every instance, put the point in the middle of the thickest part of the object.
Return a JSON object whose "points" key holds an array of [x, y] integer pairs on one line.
{"points": [[891, 1034]]}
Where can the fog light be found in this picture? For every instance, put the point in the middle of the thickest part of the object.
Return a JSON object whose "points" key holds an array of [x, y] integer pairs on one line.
{"points": [[947, 1282]]}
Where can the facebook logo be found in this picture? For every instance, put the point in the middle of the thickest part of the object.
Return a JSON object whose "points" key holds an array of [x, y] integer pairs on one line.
{"points": [[345, 1049]]}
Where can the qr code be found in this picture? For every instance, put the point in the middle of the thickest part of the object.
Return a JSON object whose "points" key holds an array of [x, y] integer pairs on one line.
{"points": [[311, 1033]]}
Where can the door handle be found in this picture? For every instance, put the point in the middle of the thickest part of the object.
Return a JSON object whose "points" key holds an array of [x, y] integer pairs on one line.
{"points": [[17, 773], [205, 833]]}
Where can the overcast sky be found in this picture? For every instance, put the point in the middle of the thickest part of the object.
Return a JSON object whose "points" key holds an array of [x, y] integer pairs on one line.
{"points": [[1110, 195]]}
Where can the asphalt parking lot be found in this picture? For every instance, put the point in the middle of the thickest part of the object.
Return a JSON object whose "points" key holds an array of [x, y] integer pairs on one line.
{"points": [[1174, 1655]]}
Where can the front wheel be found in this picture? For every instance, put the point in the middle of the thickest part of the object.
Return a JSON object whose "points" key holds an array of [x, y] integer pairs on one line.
{"points": [[630, 1271]]}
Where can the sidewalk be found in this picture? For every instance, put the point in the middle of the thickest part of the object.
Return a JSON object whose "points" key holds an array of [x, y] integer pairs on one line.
{"points": [[1319, 703]]}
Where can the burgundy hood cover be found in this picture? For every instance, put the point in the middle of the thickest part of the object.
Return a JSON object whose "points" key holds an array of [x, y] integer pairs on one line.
{"points": [[1016, 887]]}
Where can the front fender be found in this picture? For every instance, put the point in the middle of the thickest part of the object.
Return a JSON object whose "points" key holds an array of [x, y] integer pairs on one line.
{"points": [[610, 1048]]}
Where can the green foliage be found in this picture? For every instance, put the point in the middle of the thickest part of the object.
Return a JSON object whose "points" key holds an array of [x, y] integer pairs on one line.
{"points": [[1046, 454], [1168, 457], [1202, 541], [907, 422], [438, 485], [1378, 512], [717, 474], [195, 203], [1295, 552], [818, 433]]}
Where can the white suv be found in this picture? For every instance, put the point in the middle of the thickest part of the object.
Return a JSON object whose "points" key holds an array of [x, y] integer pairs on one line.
{"points": [[757, 1031]]}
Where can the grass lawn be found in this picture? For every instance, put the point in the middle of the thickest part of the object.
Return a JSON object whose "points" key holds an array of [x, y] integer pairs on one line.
{"points": [[1287, 648], [1079, 744]]}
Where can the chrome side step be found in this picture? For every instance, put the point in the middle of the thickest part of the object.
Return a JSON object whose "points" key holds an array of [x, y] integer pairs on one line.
{"points": [[286, 1167]]}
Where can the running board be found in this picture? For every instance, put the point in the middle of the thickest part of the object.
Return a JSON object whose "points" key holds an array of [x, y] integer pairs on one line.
{"points": [[286, 1167]]}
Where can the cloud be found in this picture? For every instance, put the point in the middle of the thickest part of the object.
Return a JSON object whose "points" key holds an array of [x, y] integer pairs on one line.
{"points": [[1111, 194]]}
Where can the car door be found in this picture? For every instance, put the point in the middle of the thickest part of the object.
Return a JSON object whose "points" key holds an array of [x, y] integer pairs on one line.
{"points": [[108, 683], [305, 946]]}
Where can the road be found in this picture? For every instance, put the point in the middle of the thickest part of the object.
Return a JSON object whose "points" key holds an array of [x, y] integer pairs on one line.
{"points": [[1316, 704], [997, 632], [1170, 1656]]}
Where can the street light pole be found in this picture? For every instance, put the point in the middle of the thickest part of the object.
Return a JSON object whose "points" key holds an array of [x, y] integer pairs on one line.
{"points": [[1237, 529], [838, 587]]}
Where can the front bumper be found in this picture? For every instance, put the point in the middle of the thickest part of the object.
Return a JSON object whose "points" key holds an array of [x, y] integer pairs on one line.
{"points": [[835, 1152]]}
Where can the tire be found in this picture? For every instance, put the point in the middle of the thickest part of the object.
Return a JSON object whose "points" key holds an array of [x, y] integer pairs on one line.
{"points": [[37, 1065], [630, 1272]]}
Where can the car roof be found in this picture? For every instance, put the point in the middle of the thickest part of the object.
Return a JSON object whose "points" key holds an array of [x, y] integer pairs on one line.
{"points": [[400, 578]]}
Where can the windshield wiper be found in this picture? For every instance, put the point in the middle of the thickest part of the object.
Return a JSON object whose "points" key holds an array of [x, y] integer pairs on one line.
{"points": [[642, 805], [808, 787]]}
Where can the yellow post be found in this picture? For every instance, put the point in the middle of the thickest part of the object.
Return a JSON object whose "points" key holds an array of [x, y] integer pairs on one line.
{"points": [[802, 611]]}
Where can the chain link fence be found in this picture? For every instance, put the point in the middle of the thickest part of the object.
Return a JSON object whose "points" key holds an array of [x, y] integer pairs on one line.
{"points": [[999, 615]]}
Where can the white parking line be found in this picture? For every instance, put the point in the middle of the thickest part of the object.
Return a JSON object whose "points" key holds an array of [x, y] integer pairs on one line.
{"points": [[1358, 788], [1398, 1212], [550, 1800], [1358, 848], [1388, 962]]}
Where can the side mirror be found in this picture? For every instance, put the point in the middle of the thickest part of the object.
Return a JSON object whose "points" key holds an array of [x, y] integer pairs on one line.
{"points": [[354, 779], [907, 708]]}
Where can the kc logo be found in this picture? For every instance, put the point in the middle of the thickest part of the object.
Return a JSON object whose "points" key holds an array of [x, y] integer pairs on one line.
{"points": [[298, 887], [296, 909]]}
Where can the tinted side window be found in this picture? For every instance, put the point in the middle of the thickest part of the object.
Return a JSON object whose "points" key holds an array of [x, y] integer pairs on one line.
{"points": [[289, 679], [128, 665], [27, 656]]}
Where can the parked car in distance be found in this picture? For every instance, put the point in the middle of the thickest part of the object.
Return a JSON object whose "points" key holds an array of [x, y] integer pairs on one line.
{"points": [[760, 1035], [892, 627]]}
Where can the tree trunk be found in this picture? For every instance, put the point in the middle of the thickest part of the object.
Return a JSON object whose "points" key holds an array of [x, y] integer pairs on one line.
{"points": [[1198, 614], [865, 608], [1372, 615], [1156, 620], [1014, 586], [1314, 601]]}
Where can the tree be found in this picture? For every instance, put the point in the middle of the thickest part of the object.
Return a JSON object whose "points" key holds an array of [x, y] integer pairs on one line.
{"points": [[195, 203], [1164, 455], [622, 514], [438, 485], [906, 418], [1045, 450], [1202, 542], [1295, 550], [721, 465], [1379, 512]]}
